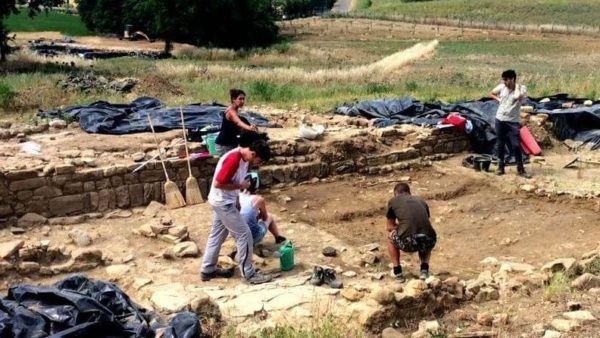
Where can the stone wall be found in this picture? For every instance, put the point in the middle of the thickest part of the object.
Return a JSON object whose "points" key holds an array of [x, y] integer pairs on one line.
{"points": [[63, 191], [301, 160]]}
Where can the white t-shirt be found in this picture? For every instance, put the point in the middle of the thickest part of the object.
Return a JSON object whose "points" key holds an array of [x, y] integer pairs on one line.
{"points": [[509, 109], [231, 169]]}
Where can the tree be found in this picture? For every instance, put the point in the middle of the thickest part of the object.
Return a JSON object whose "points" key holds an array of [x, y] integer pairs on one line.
{"points": [[222, 23], [8, 7]]}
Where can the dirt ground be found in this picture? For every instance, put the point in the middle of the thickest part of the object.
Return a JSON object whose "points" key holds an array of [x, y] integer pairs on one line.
{"points": [[476, 215]]}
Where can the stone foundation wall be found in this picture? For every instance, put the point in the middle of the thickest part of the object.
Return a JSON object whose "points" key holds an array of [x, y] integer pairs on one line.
{"points": [[62, 190], [65, 191]]}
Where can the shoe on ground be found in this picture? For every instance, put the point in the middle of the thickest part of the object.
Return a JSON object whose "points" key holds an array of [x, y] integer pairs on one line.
{"points": [[259, 278], [424, 275], [500, 172], [398, 277], [218, 273], [330, 279], [317, 277], [524, 174]]}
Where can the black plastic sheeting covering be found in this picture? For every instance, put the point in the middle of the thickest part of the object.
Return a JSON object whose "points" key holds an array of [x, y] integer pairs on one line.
{"points": [[106, 118], [81, 307], [581, 123]]}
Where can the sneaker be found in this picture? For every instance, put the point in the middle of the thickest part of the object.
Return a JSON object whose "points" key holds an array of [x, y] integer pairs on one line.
{"points": [[330, 279], [280, 239], [259, 278], [219, 273], [500, 172], [317, 276], [424, 275], [398, 277], [524, 174]]}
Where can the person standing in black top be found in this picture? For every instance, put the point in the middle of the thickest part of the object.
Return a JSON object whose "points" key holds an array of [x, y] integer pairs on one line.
{"points": [[232, 124]]}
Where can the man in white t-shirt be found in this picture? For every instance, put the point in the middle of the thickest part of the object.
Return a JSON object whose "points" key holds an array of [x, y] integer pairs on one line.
{"points": [[509, 95], [227, 182]]}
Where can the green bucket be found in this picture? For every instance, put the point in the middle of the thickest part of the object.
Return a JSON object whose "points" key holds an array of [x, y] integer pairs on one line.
{"points": [[210, 143], [286, 256]]}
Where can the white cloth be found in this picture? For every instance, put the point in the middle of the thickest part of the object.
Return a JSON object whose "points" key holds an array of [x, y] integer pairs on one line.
{"points": [[509, 109]]}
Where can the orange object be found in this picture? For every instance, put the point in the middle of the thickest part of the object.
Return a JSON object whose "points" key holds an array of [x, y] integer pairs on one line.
{"points": [[528, 143]]}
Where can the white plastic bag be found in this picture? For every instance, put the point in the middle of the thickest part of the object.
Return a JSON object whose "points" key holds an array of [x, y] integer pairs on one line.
{"points": [[311, 133]]}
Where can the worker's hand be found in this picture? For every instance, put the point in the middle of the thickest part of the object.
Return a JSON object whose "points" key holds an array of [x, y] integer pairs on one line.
{"points": [[245, 185], [254, 128]]}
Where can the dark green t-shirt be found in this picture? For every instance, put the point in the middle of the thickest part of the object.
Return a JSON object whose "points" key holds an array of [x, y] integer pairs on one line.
{"points": [[412, 214]]}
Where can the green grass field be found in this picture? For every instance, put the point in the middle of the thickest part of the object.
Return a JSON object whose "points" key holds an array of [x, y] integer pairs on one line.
{"points": [[572, 12], [68, 24]]}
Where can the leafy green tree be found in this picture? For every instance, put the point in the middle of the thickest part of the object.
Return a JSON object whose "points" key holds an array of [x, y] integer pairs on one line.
{"points": [[222, 23], [8, 7]]}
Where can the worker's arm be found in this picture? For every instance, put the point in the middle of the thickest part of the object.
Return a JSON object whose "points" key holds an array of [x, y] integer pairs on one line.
{"points": [[520, 92], [228, 169], [260, 203], [233, 117], [495, 92], [391, 225]]}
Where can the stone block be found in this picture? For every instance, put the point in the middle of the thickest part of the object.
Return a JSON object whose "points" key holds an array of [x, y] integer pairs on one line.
{"points": [[24, 195], [148, 176], [62, 169], [5, 210], [122, 196], [17, 175], [27, 184], [73, 188], [64, 205], [94, 200], [47, 192], [106, 199], [131, 178], [103, 184], [89, 186], [136, 195], [116, 181], [39, 207], [60, 180]]}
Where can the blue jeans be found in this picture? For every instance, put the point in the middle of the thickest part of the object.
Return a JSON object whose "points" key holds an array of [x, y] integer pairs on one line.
{"points": [[227, 220]]}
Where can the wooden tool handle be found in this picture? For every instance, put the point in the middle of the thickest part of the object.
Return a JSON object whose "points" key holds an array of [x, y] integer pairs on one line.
{"points": [[158, 146], [187, 153]]}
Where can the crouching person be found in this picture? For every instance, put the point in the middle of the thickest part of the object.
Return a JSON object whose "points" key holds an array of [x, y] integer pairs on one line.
{"points": [[253, 209], [409, 230]]}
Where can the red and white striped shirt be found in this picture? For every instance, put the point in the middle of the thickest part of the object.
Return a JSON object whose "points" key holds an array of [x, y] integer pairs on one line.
{"points": [[231, 169]]}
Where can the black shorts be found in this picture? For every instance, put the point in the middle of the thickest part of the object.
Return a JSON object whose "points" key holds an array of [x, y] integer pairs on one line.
{"points": [[413, 243]]}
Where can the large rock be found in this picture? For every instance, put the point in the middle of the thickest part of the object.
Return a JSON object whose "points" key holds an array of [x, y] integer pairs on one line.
{"points": [[186, 249], [26, 268], [552, 334], [586, 281], [118, 270], [516, 267], [225, 262], [390, 332], [174, 297], [7, 249], [415, 287], [566, 265], [383, 295], [80, 237], [487, 294], [352, 294], [153, 209], [426, 328], [580, 316], [31, 219], [564, 325], [179, 231]]}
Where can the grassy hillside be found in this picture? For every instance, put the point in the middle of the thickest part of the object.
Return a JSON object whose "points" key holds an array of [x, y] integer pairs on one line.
{"points": [[572, 12], [52, 21]]}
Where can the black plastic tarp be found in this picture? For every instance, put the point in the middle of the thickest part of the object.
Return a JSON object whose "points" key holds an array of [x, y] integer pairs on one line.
{"points": [[85, 308], [107, 118], [581, 123]]}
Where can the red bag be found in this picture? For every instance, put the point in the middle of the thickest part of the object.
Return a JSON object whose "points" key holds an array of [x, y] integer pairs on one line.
{"points": [[528, 143], [456, 120]]}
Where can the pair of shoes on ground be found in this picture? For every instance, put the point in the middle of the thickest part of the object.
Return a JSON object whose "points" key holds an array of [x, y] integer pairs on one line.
{"points": [[256, 278], [322, 276], [400, 276]]}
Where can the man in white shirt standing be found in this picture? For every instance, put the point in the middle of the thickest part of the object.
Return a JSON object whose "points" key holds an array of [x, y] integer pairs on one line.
{"points": [[227, 182], [509, 95]]}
